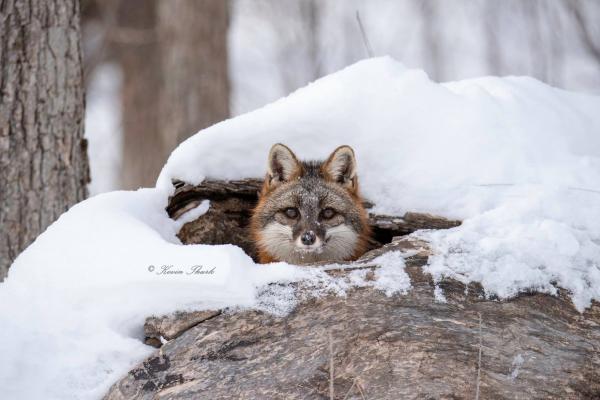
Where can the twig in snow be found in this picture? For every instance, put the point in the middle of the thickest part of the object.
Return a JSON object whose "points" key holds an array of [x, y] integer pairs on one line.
{"points": [[479, 361], [355, 382], [331, 392], [351, 387], [360, 389]]}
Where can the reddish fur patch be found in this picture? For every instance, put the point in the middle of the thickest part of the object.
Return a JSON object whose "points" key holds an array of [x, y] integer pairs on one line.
{"points": [[255, 230]]}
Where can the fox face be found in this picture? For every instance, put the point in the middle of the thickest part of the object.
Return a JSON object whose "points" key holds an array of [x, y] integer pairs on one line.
{"points": [[310, 211]]}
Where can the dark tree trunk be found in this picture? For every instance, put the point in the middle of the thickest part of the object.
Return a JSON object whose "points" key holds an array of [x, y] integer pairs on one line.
{"points": [[43, 156], [174, 59]]}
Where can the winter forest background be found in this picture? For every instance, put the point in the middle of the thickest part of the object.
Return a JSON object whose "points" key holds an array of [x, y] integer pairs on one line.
{"points": [[483, 195], [157, 72]]}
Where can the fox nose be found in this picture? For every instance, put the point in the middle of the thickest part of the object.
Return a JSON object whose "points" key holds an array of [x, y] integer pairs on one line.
{"points": [[308, 238]]}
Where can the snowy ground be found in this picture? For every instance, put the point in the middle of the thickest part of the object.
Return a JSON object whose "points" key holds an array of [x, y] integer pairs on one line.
{"points": [[519, 161]]}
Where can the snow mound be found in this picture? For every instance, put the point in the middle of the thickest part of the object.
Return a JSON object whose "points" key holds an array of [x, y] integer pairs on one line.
{"points": [[420, 145], [517, 160], [73, 307]]}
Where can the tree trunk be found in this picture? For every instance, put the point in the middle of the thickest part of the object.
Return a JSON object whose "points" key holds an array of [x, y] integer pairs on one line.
{"points": [[43, 155], [143, 153], [174, 59], [195, 85], [432, 40], [492, 16]]}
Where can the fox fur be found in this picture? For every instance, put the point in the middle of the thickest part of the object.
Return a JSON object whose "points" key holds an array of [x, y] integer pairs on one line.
{"points": [[310, 211]]}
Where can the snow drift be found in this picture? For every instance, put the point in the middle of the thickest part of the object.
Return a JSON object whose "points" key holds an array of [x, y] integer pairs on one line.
{"points": [[519, 161]]}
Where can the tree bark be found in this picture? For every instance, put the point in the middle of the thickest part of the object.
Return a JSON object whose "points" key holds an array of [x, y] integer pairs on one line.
{"points": [[43, 155], [175, 67]]}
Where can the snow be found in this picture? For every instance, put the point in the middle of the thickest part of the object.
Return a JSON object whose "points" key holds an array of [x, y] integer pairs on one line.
{"points": [[391, 277], [74, 303], [517, 363], [438, 294], [103, 129], [539, 238], [192, 214], [453, 40], [519, 161], [73, 306], [424, 137]]}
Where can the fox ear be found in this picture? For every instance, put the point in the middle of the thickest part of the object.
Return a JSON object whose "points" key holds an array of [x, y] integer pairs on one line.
{"points": [[340, 167], [283, 165]]}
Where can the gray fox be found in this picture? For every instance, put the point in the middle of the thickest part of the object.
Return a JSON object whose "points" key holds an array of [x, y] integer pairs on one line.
{"points": [[310, 211]]}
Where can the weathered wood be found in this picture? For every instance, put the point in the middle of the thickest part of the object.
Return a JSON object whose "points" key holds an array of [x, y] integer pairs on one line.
{"points": [[212, 190], [386, 227], [169, 327], [226, 221], [410, 222], [407, 346]]}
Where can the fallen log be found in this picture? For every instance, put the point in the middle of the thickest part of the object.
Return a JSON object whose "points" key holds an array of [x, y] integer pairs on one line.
{"points": [[405, 346], [439, 340]]}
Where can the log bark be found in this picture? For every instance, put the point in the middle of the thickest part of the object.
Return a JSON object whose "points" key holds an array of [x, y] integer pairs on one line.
{"points": [[405, 346], [43, 155]]}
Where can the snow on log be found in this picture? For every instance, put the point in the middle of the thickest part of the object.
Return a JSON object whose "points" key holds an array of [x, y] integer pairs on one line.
{"points": [[406, 346]]}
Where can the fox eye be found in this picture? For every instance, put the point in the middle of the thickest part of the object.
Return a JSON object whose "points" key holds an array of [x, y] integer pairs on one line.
{"points": [[291, 212], [328, 213]]}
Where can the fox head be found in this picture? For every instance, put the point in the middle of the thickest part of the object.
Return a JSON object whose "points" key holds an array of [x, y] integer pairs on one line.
{"points": [[310, 211]]}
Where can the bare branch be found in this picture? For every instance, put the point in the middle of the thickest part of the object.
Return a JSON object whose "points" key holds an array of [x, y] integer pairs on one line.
{"points": [[364, 35]]}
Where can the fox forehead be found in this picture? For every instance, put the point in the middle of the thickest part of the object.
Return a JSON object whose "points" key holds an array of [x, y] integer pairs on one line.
{"points": [[310, 194]]}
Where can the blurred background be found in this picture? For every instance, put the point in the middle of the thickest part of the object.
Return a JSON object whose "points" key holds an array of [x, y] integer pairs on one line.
{"points": [[159, 71]]}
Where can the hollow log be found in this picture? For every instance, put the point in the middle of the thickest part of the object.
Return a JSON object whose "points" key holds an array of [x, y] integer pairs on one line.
{"points": [[230, 209]]}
